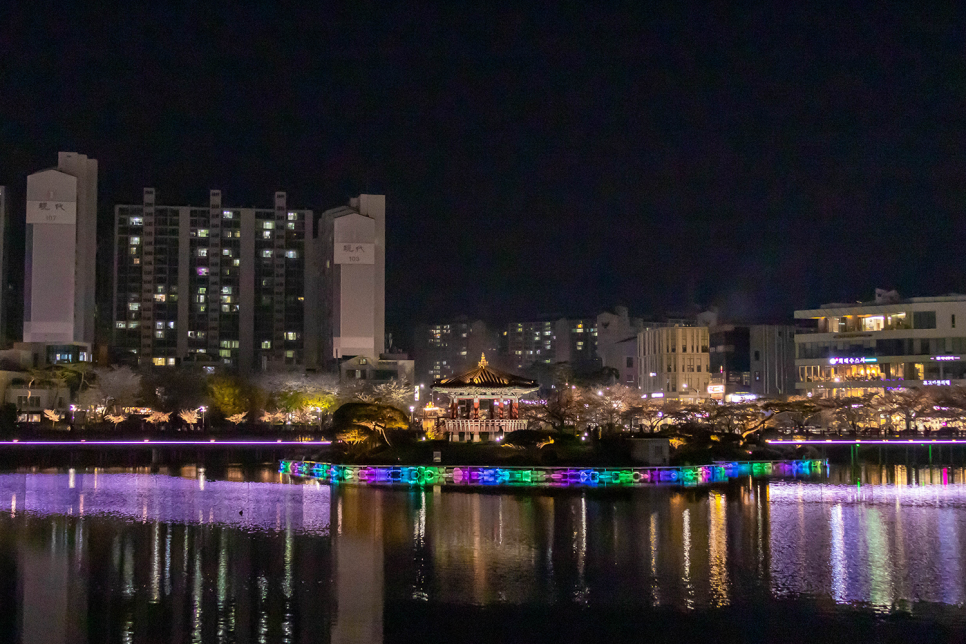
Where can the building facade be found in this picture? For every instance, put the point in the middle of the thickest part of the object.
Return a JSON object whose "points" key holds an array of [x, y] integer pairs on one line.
{"points": [[860, 348], [674, 362], [752, 360], [352, 267], [617, 335], [60, 255], [212, 284], [573, 341], [446, 349]]}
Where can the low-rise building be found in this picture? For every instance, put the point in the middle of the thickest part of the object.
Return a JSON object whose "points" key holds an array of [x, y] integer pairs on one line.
{"points": [[867, 347], [674, 362], [752, 360]]}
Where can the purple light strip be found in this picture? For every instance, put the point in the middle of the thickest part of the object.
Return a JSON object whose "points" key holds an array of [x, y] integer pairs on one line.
{"points": [[862, 441], [142, 443]]}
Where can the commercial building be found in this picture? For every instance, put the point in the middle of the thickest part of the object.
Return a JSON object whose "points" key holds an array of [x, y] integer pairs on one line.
{"points": [[858, 348], [60, 259], [352, 265], [212, 284], [752, 361], [674, 362]]}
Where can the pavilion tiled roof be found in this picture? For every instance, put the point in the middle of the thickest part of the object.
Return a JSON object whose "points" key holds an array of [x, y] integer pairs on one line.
{"points": [[485, 376]]}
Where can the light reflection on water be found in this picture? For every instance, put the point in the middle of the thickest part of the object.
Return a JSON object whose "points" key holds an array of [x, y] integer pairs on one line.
{"points": [[103, 557]]}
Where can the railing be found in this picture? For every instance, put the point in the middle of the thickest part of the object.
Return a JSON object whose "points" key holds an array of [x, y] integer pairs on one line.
{"points": [[487, 425]]}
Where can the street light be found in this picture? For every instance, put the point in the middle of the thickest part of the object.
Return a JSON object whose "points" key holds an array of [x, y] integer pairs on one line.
{"points": [[202, 409]]}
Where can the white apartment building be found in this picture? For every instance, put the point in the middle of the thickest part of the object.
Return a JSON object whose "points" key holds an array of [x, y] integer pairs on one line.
{"points": [[674, 362], [859, 348], [61, 243]]}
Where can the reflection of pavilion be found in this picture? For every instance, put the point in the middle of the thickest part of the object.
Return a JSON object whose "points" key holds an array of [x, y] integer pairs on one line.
{"points": [[499, 393]]}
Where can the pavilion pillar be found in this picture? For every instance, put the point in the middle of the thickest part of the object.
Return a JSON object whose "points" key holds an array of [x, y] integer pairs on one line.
{"points": [[499, 409], [514, 409], [476, 409], [453, 408]]}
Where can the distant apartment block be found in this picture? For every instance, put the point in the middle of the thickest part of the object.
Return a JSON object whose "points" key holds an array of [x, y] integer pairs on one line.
{"points": [[214, 283], [867, 347], [447, 349], [561, 340]]}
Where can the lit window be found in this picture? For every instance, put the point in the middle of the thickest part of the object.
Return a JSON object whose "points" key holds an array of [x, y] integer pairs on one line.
{"points": [[225, 308], [136, 261], [202, 252], [289, 354], [290, 335], [202, 290], [224, 353], [292, 216], [158, 362], [203, 232], [133, 306], [267, 253], [135, 241], [170, 362], [120, 325], [226, 251], [202, 271], [268, 225], [171, 324], [159, 334], [266, 344], [292, 254], [227, 214], [290, 226], [236, 262], [266, 234], [159, 297], [159, 325], [137, 221], [226, 290], [132, 325]]}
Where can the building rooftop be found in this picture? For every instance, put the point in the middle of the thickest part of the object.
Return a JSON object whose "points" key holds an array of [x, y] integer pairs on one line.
{"points": [[484, 376]]}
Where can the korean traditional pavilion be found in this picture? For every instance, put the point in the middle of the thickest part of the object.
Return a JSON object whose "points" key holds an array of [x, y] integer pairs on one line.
{"points": [[483, 403]]}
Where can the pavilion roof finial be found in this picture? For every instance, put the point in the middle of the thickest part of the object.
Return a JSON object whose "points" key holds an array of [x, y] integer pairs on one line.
{"points": [[482, 360]]}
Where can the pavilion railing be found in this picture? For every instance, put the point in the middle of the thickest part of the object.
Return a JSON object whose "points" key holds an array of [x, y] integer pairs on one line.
{"points": [[488, 425]]}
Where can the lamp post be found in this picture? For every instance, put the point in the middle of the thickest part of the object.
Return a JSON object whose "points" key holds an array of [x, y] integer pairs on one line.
{"points": [[202, 409]]}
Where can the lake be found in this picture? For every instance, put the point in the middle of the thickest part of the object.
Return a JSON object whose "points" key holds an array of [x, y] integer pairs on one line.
{"points": [[185, 555]]}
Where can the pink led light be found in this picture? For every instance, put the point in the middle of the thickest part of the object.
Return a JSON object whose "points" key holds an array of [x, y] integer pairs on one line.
{"points": [[19, 443], [866, 441]]}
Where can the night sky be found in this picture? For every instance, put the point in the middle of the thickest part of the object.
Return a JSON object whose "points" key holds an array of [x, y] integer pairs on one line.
{"points": [[537, 160]]}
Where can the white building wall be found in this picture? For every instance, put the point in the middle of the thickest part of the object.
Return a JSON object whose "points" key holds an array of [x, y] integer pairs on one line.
{"points": [[61, 252], [355, 327]]}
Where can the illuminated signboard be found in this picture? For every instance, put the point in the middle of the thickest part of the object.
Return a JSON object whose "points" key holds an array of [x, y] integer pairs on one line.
{"points": [[657, 395], [937, 383], [715, 389], [851, 360], [945, 358]]}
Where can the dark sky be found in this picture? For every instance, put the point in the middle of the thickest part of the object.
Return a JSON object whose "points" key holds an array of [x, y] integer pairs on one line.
{"points": [[539, 159]]}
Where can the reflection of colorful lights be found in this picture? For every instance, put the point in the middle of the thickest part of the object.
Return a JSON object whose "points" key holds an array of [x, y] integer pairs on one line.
{"points": [[544, 476]]}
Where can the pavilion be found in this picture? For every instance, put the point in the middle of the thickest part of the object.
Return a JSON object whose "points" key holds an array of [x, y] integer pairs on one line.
{"points": [[483, 403]]}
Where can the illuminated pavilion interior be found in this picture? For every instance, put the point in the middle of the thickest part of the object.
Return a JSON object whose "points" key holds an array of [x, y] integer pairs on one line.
{"points": [[483, 403]]}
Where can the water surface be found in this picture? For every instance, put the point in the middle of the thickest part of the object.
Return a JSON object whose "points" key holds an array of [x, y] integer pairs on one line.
{"points": [[188, 556]]}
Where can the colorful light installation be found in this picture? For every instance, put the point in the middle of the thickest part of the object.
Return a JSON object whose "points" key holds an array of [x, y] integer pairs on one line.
{"points": [[544, 476]]}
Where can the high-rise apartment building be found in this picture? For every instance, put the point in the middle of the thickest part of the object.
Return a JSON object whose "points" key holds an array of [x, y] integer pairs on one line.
{"points": [[215, 282], [563, 340], [4, 258], [352, 265], [757, 359], [60, 255]]}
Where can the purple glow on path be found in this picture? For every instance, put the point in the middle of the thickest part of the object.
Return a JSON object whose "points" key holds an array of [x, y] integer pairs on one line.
{"points": [[169, 499], [865, 441], [155, 443]]}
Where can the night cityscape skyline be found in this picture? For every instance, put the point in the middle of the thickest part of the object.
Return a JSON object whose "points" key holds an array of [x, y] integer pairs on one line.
{"points": [[533, 162]]}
